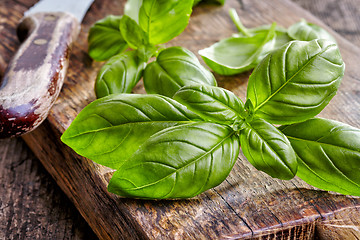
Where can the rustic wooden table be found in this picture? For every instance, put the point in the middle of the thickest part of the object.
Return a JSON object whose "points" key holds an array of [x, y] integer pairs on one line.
{"points": [[32, 206]]}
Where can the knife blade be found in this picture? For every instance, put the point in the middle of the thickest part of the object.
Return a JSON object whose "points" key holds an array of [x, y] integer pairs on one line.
{"points": [[35, 75]]}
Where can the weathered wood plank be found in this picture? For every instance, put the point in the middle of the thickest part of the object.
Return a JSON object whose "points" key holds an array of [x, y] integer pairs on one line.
{"points": [[32, 206]]}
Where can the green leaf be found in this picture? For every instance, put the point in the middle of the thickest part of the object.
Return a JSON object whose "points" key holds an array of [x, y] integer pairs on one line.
{"points": [[281, 37], [105, 39], [109, 130], [296, 82], [178, 162], [174, 68], [132, 9], [212, 103], [268, 150], [305, 31], [119, 75], [328, 153], [238, 54], [164, 19], [132, 33]]}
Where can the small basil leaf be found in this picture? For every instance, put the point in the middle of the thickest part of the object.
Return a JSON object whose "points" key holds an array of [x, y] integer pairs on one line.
{"points": [[119, 75], [132, 33], [238, 54], [164, 19], [174, 68], [281, 37], [109, 130], [328, 153], [132, 9], [268, 150], [296, 82], [305, 31], [105, 39], [178, 162], [212, 103]]}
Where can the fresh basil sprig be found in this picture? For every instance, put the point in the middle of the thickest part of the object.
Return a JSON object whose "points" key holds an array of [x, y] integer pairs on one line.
{"points": [[160, 147], [177, 148]]}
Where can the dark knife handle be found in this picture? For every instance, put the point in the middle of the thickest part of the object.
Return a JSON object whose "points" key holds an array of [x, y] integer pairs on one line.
{"points": [[35, 75]]}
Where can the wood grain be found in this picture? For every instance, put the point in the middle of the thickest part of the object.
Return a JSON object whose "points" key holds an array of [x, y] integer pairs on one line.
{"points": [[31, 205], [247, 203]]}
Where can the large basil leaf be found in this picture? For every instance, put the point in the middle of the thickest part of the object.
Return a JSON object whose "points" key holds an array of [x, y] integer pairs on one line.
{"points": [[164, 19], [296, 82], [238, 54], [119, 75], [132, 33], [105, 39], [109, 130], [328, 154], [174, 68], [305, 31], [132, 9], [212, 103], [268, 150], [178, 162]]}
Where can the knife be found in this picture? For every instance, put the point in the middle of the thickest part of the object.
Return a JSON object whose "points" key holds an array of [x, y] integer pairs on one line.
{"points": [[35, 75]]}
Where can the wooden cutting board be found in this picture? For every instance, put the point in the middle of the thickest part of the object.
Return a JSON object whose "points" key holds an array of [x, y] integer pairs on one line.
{"points": [[249, 203]]}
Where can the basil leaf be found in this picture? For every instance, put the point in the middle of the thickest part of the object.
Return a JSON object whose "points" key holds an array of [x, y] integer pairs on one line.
{"points": [[212, 103], [296, 82], [305, 31], [105, 39], [268, 150], [178, 162], [109, 130], [132, 9], [164, 19], [174, 68], [328, 153], [238, 54], [119, 75], [281, 37], [132, 33]]}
